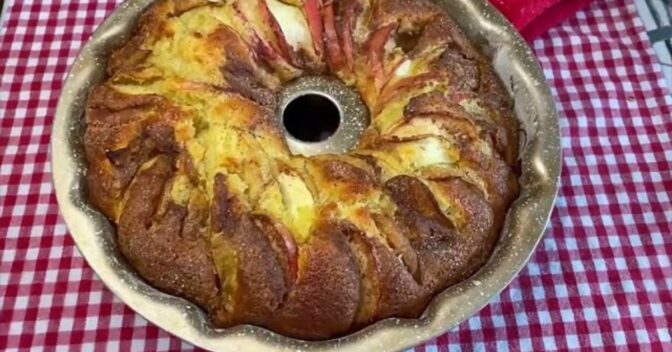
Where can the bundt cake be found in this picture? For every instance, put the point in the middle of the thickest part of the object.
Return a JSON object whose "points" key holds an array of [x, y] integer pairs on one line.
{"points": [[186, 158]]}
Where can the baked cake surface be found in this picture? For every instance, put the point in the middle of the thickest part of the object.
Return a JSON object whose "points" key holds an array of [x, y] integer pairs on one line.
{"points": [[185, 157]]}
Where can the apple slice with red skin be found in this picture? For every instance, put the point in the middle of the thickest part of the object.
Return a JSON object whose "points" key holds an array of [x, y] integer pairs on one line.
{"points": [[312, 11], [262, 37], [406, 18], [300, 23], [388, 287], [334, 52], [376, 52], [243, 74], [455, 71], [435, 71], [283, 47], [282, 242], [403, 86], [347, 28]]}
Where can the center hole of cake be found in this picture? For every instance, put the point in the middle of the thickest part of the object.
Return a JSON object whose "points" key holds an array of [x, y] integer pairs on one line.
{"points": [[311, 117]]}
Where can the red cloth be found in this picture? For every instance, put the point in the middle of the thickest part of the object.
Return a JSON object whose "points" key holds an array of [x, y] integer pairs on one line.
{"points": [[534, 17]]}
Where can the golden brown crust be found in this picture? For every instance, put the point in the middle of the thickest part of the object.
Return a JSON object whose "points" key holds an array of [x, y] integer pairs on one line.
{"points": [[154, 245], [398, 291], [123, 132], [183, 155], [260, 287], [324, 300], [418, 210]]}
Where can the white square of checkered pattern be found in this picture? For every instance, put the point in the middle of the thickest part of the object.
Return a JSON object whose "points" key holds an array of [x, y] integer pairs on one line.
{"points": [[601, 278]]}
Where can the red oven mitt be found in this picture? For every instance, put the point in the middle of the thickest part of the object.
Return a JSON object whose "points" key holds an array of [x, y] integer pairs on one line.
{"points": [[534, 17]]}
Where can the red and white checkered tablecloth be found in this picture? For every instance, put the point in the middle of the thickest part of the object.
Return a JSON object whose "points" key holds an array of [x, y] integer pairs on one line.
{"points": [[601, 277]]}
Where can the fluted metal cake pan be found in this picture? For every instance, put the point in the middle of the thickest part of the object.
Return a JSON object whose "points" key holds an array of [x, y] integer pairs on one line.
{"points": [[523, 229]]}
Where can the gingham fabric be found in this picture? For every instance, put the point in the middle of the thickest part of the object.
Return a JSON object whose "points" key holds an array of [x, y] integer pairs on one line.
{"points": [[601, 278]]}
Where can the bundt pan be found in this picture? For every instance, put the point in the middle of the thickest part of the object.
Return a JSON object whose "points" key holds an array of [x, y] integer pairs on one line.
{"points": [[539, 155]]}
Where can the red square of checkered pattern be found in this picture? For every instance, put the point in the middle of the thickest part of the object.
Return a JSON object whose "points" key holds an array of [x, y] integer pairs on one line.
{"points": [[601, 278]]}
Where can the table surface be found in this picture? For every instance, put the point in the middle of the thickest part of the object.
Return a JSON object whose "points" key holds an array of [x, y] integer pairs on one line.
{"points": [[601, 276]]}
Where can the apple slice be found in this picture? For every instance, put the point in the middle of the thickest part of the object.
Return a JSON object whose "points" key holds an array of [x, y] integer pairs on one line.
{"points": [[253, 279], [347, 27], [494, 114], [294, 27], [400, 294], [441, 247], [409, 20], [324, 300], [312, 10], [399, 243], [365, 252], [280, 40], [376, 50], [241, 69], [404, 88], [457, 71], [259, 15], [261, 30], [466, 203], [433, 114], [283, 243], [445, 126], [388, 287], [339, 180], [419, 211], [334, 53]]}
